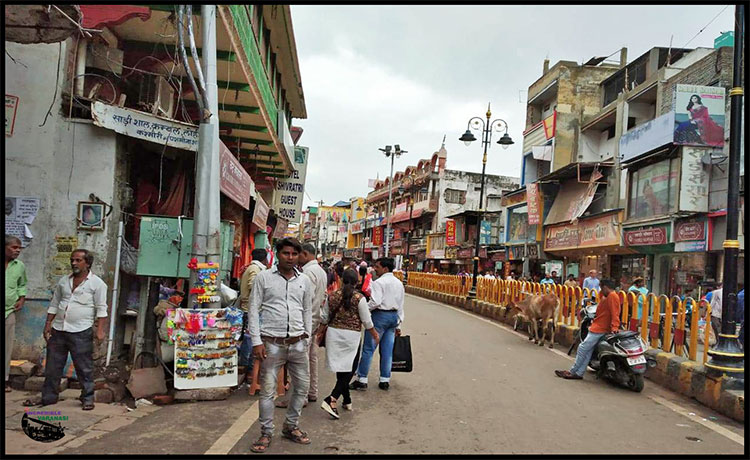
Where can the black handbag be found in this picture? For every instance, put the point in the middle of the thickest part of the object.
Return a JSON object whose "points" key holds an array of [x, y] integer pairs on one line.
{"points": [[402, 360]]}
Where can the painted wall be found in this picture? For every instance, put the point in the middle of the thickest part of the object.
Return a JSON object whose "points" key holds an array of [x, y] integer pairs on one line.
{"points": [[61, 163]]}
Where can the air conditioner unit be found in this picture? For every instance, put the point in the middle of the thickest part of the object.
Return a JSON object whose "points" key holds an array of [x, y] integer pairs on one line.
{"points": [[156, 95]]}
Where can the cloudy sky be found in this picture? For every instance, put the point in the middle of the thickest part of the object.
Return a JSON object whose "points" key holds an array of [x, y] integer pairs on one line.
{"points": [[378, 75]]}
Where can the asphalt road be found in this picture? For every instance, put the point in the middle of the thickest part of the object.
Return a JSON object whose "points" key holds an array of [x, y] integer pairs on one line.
{"points": [[477, 387]]}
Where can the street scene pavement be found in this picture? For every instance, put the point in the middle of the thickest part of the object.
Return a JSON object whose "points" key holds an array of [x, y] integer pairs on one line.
{"points": [[476, 387]]}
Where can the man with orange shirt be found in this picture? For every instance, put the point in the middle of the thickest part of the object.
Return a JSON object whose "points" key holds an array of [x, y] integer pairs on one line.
{"points": [[607, 320]]}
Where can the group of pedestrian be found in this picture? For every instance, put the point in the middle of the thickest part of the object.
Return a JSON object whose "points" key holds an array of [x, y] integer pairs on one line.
{"points": [[296, 304], [76, 321]]}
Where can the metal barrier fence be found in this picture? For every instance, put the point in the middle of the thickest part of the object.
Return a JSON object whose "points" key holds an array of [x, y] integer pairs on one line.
{"points": [[671, 324]]}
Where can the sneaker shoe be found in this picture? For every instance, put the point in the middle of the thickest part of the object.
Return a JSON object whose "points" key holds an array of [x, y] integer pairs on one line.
{"points": [[357, 385], [384, 385]]}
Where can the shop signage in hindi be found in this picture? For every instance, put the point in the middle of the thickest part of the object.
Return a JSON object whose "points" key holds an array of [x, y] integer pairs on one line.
{"points": [[437, 254], [498, 256], [281, 227], [290, 190], [690, 230], [694, 180], [450, 232], [260, 215], [646, 237], [234, 181], [142, 125], [532, 251], [465, 253], [377, 236], [356, 227], [585, 233], [510, 200], [532, 192]]}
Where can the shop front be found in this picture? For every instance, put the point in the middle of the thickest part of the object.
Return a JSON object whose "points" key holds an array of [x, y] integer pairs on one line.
{"points": [[588, 244], [653, 242]]}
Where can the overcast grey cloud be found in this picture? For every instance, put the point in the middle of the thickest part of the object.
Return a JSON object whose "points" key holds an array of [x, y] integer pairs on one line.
{"points": [[377, 75]]}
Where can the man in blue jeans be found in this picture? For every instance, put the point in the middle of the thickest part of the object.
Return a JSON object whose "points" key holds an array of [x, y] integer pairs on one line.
{"points": [[387, 307], [607, 320]]}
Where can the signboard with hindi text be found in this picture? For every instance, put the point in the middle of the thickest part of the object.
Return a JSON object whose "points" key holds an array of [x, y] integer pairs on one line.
{"points": [[234, 181], [142, 125], [450, 232]]}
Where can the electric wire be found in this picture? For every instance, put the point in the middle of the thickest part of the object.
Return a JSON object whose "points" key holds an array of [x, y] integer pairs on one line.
{"points": [[57, 82], [704, 27]]}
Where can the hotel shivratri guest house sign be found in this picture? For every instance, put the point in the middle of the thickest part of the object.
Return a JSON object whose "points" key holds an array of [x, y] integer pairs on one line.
{"points": [[586, 233]]}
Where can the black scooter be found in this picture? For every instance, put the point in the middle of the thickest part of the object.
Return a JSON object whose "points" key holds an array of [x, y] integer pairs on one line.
{"points": [[619, 357]]}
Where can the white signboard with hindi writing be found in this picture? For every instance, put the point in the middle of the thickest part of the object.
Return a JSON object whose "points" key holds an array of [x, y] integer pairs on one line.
{"points": [[289, 192], [142, 125], [694, 180]]}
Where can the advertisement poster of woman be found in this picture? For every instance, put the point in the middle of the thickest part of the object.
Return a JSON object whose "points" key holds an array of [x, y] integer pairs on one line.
{"points": [[700, 112]]}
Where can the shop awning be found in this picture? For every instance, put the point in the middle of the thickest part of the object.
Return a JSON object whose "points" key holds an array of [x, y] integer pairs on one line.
{"points": [[404, 215], [571, 201]]}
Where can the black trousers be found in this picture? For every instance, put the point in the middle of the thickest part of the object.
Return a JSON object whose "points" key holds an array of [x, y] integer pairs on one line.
{"points": [[343, 379], [80, 345]]}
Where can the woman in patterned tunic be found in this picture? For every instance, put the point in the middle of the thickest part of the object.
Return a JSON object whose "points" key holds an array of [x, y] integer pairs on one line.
{"points": [[345, 313]]}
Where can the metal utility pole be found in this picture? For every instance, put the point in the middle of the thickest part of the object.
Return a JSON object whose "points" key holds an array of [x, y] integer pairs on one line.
{"points": [[727, 357], [317, 230], [206, 226], [393, 155]]}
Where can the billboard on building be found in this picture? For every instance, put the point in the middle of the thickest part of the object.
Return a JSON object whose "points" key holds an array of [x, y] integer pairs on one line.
{"points": [[485, 232], [290, 190], [694, 181], [700, 113], [532, 193]]}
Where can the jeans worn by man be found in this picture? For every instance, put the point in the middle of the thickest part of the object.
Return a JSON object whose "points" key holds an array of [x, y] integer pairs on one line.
{"points": [[280, 322], [387, 306]]}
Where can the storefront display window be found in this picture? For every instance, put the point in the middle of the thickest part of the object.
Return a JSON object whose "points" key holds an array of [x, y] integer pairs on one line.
{"points": [[653, 189], [627, 268], [686, 271]]}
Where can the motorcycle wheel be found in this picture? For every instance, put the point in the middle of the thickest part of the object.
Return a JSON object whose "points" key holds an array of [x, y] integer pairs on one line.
{"points": [[636, 383]]}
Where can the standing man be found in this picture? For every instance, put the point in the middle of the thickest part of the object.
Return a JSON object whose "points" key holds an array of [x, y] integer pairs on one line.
{"points": [[387, 307], [258, 264], [571, 282], [716, 310], [15, 296], [591, 282], [319, 279], [548, 279], [78, 306], [607, 320], [280, 324]]}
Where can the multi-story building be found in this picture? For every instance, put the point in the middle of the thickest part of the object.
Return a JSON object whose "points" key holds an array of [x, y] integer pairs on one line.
{"points": [[107, 126], [427, 195], [556, 102]]}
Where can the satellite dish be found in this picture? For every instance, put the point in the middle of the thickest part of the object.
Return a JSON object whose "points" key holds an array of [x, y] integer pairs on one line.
{"points": [[711, 158]]}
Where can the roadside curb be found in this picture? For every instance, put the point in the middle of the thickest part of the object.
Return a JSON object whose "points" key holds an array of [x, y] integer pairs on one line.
{"points": [[675, 373]]}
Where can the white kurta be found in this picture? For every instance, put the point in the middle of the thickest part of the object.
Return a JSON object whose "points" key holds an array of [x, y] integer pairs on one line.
{"points": [[342, 344]]}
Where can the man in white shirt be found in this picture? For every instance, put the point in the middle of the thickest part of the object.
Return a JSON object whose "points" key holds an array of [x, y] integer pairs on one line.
{"points": [[387, 307], [319, 279], [78, 306], [716, 311]]}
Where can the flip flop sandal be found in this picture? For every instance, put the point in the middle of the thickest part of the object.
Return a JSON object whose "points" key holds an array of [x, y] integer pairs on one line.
{"points": [[299, 438], [260, 445]]}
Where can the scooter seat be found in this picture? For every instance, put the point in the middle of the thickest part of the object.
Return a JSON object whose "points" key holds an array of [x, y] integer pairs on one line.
{"points": [[626, 334]]}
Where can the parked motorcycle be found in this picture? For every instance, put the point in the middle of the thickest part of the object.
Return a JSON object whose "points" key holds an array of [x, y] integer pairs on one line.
{"points": [[619, 357]]}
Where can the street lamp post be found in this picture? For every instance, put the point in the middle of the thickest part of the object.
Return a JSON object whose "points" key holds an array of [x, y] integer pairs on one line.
{"points": [[393, 154], [505, 141], [727, 356]]}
